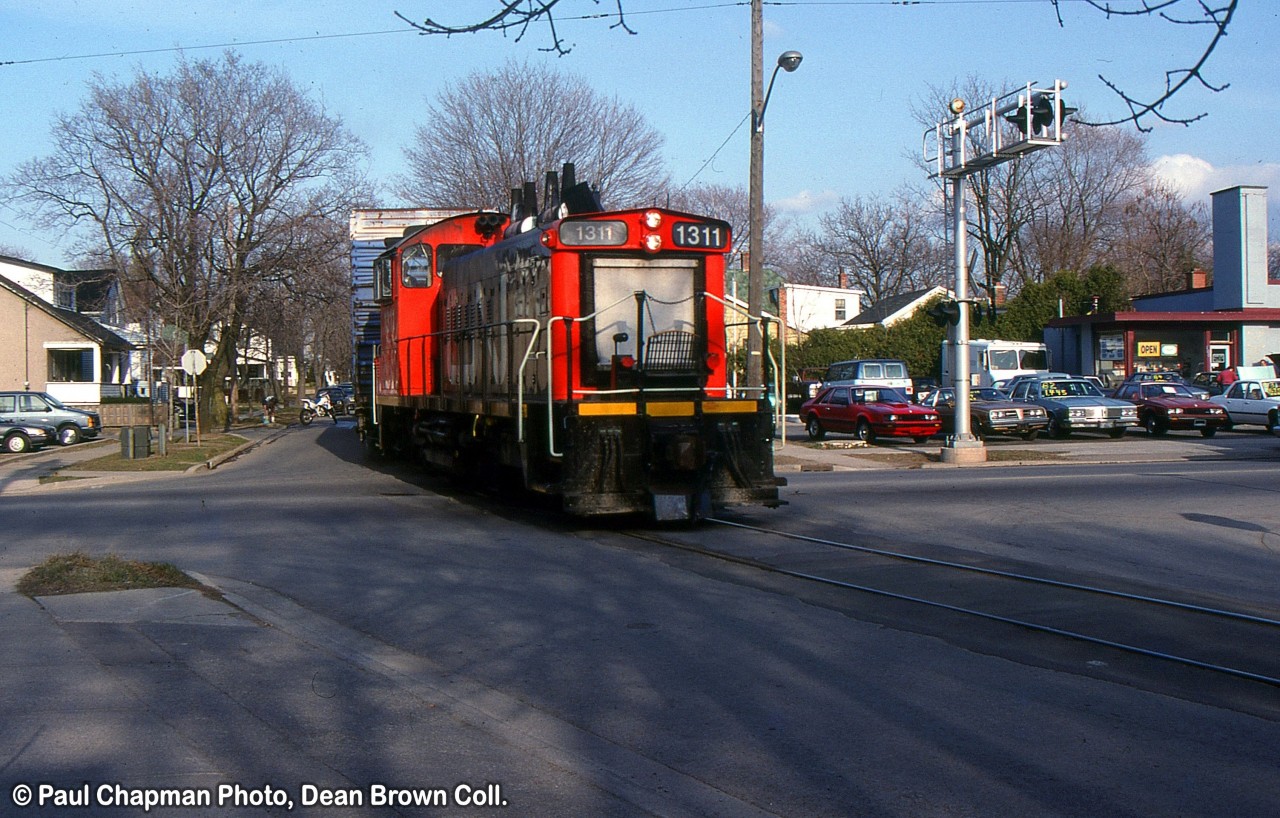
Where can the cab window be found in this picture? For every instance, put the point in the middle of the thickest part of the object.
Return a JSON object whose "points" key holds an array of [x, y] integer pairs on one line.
{"points": [[415, 266]]}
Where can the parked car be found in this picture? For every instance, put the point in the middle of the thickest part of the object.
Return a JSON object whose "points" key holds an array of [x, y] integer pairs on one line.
{"points": [[1252, 401], [1167, 404], [870, 372], [804, 385], [868, 412], [24, 437], [1163, 377], [1075, 404], [42, 409], [991, 412], [1007, 386], [1208, 381]]}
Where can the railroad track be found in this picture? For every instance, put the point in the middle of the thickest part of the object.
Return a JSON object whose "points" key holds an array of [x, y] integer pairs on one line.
{"points": [[1238, 644]]}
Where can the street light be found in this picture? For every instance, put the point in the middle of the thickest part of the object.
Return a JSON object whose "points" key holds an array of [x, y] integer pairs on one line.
{"points": [[788, 61]]}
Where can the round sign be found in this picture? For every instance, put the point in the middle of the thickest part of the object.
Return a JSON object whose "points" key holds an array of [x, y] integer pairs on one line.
{"points": [[194, 362]]}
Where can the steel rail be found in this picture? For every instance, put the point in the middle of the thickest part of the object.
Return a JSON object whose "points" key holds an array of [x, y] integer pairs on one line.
{"points": [[985, 615], [1054, 583]]}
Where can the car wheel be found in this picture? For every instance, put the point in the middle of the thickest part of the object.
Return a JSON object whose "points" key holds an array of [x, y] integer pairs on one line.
{"points": [[1272, 423], [1031, 435], [1208, 431], [814, 428], [1154, 427], [69, 435], [17, 443], [865, 433], [1056, 430], [1116, 434], [920, 439]]}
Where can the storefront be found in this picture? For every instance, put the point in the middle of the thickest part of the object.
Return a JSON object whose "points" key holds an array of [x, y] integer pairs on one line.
{"points": [[1113, 346]]}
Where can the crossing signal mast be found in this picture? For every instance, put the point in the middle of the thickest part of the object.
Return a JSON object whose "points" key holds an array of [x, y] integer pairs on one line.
{"points": [[1022, 121]]}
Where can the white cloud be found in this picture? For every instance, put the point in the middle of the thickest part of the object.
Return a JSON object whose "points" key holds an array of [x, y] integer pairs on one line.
{"points": [[807, 201], [1196, 178]]}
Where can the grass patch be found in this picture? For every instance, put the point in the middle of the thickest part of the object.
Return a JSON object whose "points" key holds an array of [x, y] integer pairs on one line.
{"points": [[181, 456], [78, 573]]}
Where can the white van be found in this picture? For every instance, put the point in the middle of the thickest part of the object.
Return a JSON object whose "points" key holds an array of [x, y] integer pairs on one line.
{"points": [[870, 372]]}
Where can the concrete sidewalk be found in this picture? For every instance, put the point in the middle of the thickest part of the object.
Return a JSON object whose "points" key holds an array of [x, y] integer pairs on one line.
{"points": [[243, 700]]}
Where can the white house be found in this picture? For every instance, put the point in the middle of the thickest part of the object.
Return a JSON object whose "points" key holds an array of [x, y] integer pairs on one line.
{"points": [[804, 308]]}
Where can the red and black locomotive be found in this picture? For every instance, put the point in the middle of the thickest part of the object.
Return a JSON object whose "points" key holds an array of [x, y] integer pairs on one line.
{"points": [[582, 350]]}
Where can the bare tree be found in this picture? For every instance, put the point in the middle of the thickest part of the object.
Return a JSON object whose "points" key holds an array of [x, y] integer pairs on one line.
{"points": [[884, 246], [1075, 194], [476, 145], [196, 185], [1159, 239]]}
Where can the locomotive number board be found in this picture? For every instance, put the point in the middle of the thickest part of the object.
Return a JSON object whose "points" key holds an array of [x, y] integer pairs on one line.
{"points": [[602, 233], [699, 234]]}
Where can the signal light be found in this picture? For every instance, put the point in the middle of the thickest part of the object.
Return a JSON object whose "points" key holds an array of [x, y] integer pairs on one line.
{"points": [[652, 219], [1039, 114], [945, 312], [652, 242]]}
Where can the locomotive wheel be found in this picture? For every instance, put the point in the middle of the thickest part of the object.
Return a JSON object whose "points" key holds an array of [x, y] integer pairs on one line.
{"points": [[814, 428]]}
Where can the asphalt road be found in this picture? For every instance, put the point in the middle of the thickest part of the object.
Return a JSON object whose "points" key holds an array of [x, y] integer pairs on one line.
{"points": [[740, 684]]}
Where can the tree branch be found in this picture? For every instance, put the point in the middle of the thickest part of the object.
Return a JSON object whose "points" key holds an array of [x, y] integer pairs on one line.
{"points": [[1219, 17], [520, 15]]}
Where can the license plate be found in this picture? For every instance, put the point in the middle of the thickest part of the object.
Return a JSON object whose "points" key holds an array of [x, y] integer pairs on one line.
{"points": [[1199, 423]]}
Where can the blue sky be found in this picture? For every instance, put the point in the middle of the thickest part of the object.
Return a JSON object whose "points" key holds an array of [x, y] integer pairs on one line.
{"points": [[840, 126]]}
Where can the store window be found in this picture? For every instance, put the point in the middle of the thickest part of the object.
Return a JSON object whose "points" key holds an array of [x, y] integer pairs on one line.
{"points": [[1168, 350]]}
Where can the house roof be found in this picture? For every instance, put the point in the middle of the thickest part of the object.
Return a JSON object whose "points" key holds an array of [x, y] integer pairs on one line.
{"points": [[82, 324], [887, 308]]}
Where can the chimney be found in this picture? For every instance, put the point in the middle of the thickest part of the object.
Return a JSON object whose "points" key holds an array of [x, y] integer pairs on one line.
{"points": [[844, 280], [1197, 279], [1002, 295]]}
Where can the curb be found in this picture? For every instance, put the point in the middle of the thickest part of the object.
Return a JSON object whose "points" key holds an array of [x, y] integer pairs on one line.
{"points": [[214, 462]]}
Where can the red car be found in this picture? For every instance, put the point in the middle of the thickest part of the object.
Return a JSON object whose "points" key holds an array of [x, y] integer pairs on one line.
{"points": [[1165, 405], [868, 412]]}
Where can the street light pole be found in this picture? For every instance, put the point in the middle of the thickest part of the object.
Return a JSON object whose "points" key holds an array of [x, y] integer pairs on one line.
{"points": [[787, 61]]}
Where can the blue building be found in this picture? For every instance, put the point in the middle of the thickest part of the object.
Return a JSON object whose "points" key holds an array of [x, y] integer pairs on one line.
{"points": [[1234, 322]]}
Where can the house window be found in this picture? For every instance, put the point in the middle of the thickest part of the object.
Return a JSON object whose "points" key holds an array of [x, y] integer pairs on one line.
{"points": [[840, 309], [71, 366]]}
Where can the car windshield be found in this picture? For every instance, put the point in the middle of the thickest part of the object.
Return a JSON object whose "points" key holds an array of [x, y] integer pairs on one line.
{"points": [[883, 395], [986, 394], [1069, 389], [1163, 390], [52, 401]]}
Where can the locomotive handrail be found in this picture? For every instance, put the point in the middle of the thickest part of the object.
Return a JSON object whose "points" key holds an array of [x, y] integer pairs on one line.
{"points": [[551, 369], [778, 371], [533, 341]]}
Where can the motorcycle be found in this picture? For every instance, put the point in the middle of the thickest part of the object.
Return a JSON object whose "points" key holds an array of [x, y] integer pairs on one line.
{"points": [[321, 407]]}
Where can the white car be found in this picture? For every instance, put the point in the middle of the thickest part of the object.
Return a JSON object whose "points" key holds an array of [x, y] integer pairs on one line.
{"points": [[1252, 401]]}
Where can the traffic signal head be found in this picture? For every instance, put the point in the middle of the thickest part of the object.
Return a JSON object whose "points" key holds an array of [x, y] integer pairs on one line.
{"points": [[1037, 114], [945, 312]]}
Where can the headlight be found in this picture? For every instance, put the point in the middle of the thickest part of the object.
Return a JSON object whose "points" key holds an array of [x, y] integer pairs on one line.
{"points": [[1075, 413], [1175, 411], [1035, 413], [892, 418], [1129, 413]]}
